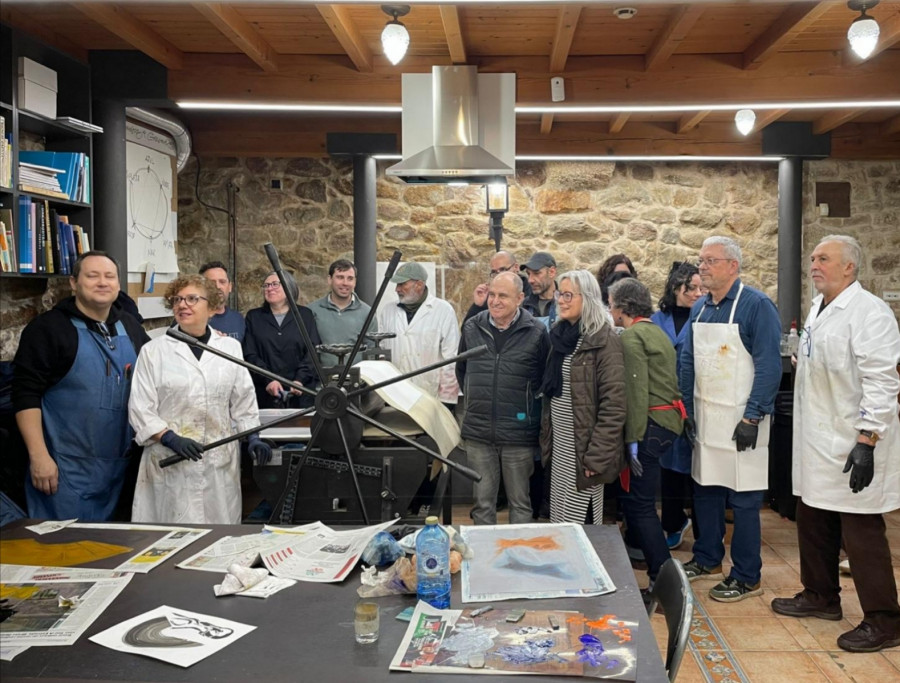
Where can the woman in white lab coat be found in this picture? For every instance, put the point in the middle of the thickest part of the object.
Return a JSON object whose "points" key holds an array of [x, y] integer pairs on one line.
{"points": [[182, 397]]}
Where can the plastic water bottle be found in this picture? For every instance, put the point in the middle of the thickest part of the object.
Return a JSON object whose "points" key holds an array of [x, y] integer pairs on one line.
{"points": [[793, 339], [433, 564]]}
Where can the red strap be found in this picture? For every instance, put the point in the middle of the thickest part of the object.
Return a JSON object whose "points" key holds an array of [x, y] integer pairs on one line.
{"points": [[674, 405], [625, 479]]}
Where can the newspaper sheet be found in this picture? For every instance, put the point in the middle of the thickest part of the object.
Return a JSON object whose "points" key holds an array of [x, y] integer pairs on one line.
{"points": [[426, 631], [156, 553], [244, 550], [54, 611], [323, 556], [50, 526], [534, 561], [173, 635]]}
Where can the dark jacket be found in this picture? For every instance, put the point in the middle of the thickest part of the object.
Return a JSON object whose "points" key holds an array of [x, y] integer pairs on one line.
{"points": [[49, 344], [502, 391], [597, 377], [475, 309], [279, 349]]}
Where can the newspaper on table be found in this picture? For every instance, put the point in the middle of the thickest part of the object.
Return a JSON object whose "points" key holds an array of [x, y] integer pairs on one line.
{"points": [[244, 550], [323, 556], [549, 642], [50, 526], [156, 553], [172, 635], [54, 605], [514, 561]]}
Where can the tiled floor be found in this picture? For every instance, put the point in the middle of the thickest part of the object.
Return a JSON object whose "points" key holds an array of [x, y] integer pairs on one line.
{"points": [[746, 641]]}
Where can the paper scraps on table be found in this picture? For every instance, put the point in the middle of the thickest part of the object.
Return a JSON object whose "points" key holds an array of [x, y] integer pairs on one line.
{"points": [[50, 526], [251, 583]]}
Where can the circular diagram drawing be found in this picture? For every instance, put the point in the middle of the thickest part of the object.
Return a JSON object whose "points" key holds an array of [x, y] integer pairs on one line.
{"points": [[149, 203]]}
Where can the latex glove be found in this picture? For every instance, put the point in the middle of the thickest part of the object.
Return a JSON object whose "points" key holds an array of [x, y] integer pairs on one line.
{"points": [[690, 430], [259, 449], [862, 461], [745, 435], [186, 448], [637, 469]]}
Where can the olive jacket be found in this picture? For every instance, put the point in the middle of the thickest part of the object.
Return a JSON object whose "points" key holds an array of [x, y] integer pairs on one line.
{"points": [[597, 379]]}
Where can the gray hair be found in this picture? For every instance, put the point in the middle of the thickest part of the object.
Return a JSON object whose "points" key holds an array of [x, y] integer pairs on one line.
{"points": [[851, 252], [732, 248], [293, 289], [593, 313], [632, 297], [515, 278]]}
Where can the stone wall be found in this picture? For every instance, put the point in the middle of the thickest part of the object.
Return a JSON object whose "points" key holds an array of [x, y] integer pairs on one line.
{"points": [[582, 212]]}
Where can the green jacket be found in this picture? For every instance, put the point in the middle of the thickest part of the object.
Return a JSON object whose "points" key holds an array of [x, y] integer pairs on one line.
{"points": [[650, 380]]}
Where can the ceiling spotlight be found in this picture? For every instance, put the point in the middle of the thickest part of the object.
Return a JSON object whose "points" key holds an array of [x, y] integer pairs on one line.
{"points": [[863, 32], [744, 120], [395, 37], [625, 12]]}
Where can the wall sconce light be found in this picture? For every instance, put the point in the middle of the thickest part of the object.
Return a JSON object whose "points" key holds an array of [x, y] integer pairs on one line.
{"points": [[497, 202], [745, 120], [863, 32], [395, 37]]}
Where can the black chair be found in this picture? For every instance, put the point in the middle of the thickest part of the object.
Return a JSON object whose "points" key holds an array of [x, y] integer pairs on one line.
{"points": [[672, 591]]}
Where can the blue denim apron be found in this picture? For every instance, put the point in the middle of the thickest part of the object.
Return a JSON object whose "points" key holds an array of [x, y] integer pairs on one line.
{"points": [[85, 419]]}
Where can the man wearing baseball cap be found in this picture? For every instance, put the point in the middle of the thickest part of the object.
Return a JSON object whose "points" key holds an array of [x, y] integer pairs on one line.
{"points": [[541, 271], [427, 332]]}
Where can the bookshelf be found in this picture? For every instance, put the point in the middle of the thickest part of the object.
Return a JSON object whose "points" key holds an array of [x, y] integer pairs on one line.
{"points": [[31, 131]]}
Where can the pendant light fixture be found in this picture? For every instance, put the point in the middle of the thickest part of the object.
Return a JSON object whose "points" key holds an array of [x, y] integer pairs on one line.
{"points": [[864, 31], [395, 37], [745, 119]]}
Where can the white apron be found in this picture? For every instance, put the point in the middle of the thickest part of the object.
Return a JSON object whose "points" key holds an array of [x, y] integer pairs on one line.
{"points": [[723, 379]]}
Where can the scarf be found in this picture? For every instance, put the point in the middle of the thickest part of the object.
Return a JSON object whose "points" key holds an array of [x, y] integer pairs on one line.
{"points": [[563, 340]]}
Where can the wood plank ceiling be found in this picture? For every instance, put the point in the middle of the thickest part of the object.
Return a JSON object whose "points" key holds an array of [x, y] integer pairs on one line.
{"points": [[670, 53]]}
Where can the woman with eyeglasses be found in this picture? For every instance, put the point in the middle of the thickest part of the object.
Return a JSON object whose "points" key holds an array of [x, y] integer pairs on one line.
{"points": [[683, 289], [654, 418], [184, 397], [272, 341], [584, 403]]}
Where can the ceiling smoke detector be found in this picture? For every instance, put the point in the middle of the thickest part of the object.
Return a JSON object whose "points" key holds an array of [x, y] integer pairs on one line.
{"points": [[625, 12]]}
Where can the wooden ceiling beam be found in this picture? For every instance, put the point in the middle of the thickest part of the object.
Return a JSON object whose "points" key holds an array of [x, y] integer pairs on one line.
{"points": [[546, 123], [566, 23], [452, 29], [347, 33], [618, 123], [680, 23], [15, 17], [793, 21], [117, 20], [833, 119], [767, 116], [889, 35], [240, 32], [890, 127], [690, 121]]}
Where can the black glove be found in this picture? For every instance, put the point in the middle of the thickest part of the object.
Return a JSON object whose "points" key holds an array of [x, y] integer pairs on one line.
{"points": [[690, 429], [259, 449], [862, 461], [186, 448], [745, 435]]}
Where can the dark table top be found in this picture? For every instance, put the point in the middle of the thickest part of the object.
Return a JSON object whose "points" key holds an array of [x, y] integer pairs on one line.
{"points": [[304, 633]]}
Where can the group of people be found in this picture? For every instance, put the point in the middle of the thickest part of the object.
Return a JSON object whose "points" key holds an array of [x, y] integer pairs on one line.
{"points": [[582, 384]]}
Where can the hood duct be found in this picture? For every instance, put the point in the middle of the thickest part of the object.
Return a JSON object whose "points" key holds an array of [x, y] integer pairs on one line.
{"points": [[472, 133], [167, 122]]}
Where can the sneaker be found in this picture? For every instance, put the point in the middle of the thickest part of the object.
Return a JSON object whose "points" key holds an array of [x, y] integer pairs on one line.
{"points": [[635, 554], [695, 570], [676, 538], [844, 567], [867, 638], [732, 590], [799, 606]]}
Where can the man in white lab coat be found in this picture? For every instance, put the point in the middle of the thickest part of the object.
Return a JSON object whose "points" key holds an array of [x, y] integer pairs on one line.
{"points": [[846, 446], [427, 332]]}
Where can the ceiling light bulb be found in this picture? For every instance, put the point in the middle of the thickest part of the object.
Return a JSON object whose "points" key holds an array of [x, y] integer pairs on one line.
{"points": [[744, 120], [863, 35], [394, 40]]}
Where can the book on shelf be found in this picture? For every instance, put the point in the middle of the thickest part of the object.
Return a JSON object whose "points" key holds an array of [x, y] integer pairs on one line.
{"points": [[5, 155], [7, 242], [40, 190], [26, 236], [78, 123], [73, 166]]}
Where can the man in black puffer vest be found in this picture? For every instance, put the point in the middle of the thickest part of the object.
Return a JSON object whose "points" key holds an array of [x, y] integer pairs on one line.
{"points": [[503, 404]]}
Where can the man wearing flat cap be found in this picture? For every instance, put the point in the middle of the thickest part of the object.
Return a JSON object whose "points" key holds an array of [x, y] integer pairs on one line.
{"points": [[427, 332], [541, 272]]}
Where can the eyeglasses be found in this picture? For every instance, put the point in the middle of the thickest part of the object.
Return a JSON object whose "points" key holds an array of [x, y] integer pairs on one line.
{"points": [[710, 261], [271, 285], [191, 300], [568, 296], [806, 341], [496, 272], [107, 337]]}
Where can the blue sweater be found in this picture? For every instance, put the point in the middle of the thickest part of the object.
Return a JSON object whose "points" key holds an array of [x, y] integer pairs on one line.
{"points": [[760, 330]]}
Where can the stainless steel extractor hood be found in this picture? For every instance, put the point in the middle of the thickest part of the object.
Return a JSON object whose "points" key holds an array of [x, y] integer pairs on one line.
{"points": [[459, 126]]}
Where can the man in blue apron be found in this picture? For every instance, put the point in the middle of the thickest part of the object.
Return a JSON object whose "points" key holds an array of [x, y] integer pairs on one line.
{"points": [[729, 376], [72, 378]]}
